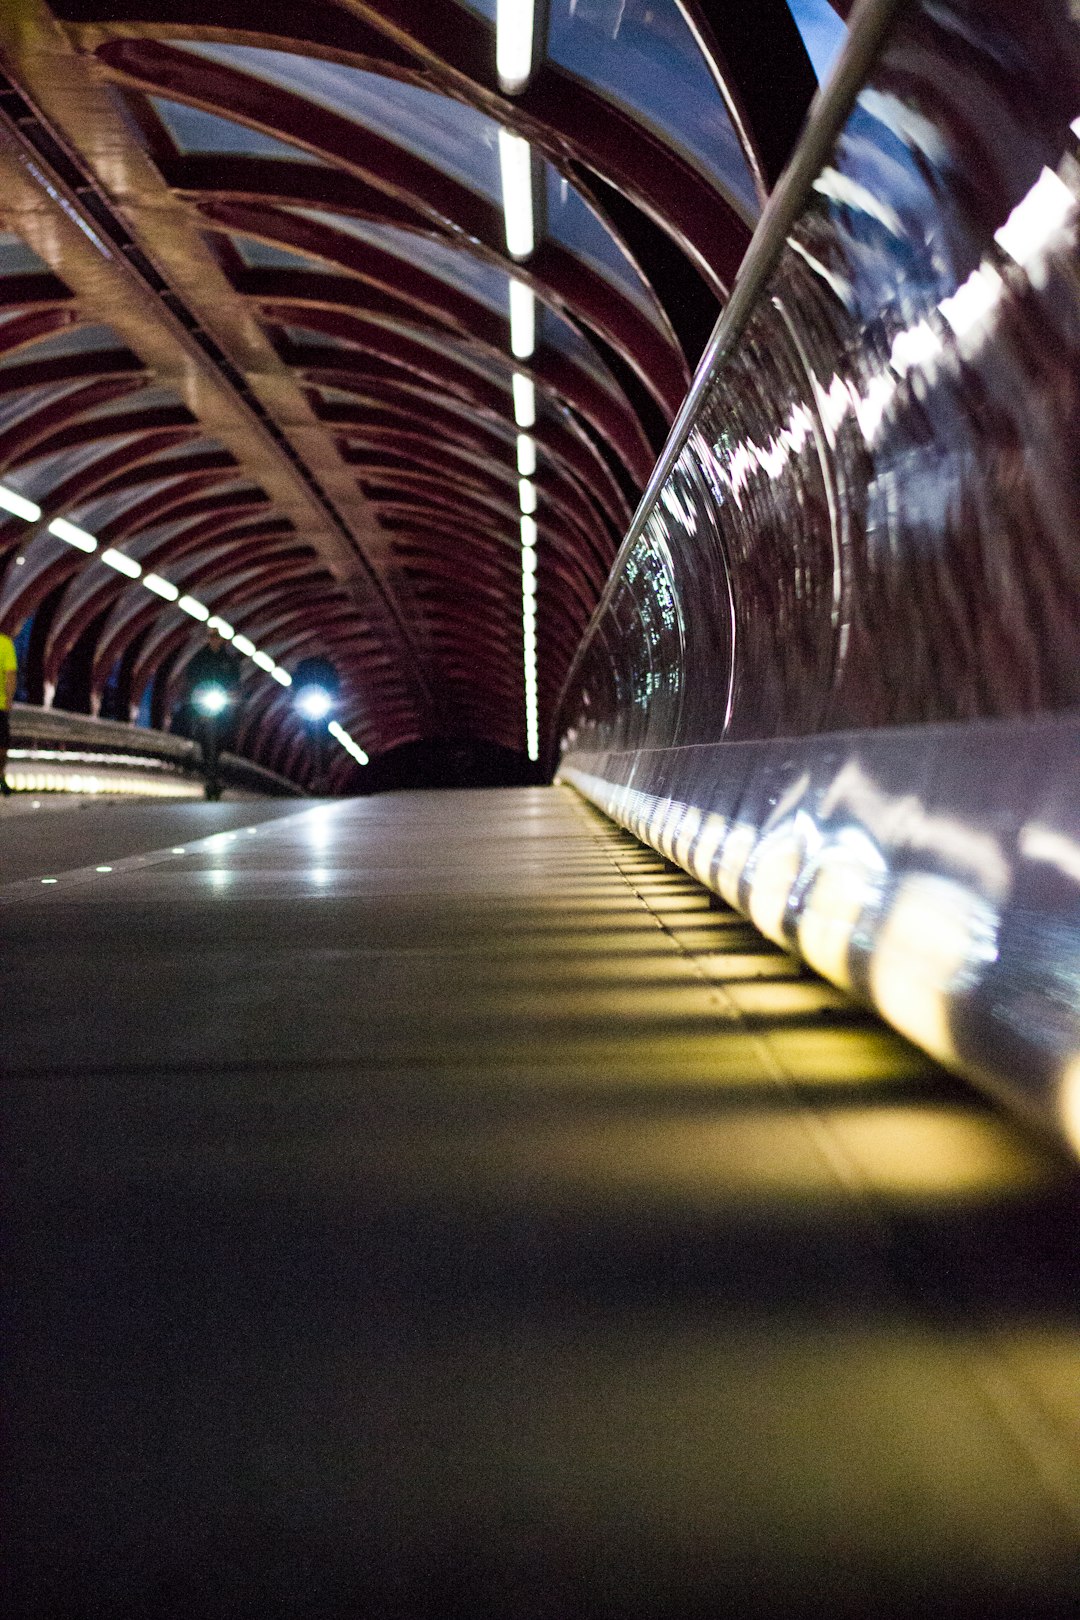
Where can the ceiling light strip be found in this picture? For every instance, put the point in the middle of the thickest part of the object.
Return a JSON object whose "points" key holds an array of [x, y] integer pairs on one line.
{"points": [[515, 33], [62, 529], [515, 172]]}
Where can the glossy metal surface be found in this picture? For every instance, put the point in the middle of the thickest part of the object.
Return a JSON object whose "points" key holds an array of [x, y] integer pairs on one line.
{"points": [[862, 541], [52, 751]]}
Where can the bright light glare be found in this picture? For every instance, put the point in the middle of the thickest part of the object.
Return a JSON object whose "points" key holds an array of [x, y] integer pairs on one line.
{"points": [[11, 501], [74, 536], [526, 455], [161, 587], [514, 32], [282, 677], [918, 345], [314, 702], [528, 531], [973, 302], [263, 660], [122, 563], [524, 400], [522, 320], [210, 699], [243, 645], [1037, 218], [222, 626], [527, 495], [515, 168], [197, 609]]}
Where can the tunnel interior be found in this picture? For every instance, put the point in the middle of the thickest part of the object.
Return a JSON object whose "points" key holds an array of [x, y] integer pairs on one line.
{"points": [[583, 1125]]}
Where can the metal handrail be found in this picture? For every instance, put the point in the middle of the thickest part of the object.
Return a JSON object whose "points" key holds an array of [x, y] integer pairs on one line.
{"points": [[57, 727]]}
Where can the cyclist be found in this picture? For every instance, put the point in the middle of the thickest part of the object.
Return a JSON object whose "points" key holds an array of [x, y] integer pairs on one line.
{"points": [[213, 693]]}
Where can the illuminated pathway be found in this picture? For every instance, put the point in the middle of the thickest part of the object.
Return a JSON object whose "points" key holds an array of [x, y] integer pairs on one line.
{"points": [[426, 1206]]}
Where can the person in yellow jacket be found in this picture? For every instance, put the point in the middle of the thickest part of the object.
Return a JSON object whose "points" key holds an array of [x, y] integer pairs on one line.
{"points": [[9, 670]]}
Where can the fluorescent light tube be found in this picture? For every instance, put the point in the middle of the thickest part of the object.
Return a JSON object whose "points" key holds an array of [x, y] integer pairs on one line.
{"points": [[12, 501], [522, 320], [122, 563], [515, 169], [524, 400], [74, 536], [161, 587], [515, 22]]}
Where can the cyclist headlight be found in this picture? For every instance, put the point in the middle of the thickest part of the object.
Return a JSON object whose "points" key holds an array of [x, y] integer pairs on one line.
{"points": [[210, 700], [314, 702]]}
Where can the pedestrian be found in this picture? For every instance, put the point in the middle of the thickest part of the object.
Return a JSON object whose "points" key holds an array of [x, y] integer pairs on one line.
{"points": [[9, 675]]}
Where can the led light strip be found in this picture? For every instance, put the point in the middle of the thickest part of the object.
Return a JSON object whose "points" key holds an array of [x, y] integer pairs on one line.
{"points": [[528, 634], [72, 535], [340, 735], [514, 47]]}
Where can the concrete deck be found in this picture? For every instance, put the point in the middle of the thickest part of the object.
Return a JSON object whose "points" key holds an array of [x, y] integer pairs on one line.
{"points": [[429, 1206]]}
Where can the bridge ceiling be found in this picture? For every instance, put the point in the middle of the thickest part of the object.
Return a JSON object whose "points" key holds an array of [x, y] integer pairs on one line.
{"points": [[262, 332]]}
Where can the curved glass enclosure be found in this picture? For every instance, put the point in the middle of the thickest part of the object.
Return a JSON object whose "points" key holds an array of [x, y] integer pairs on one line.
{"points": [[455, 137], [194, 130], [822, 32], [641, 55], [456, 266]]}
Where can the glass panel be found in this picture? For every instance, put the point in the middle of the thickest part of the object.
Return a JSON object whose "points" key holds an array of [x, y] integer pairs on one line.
{"points": [[266, 256], [472, 276], [18, 406], [455, 266], [822, 32], [193, 130], [16, 259], [37, 478], [560, 334], [307, 337], [572, 222], [455, 138], [641, 55], [503, 427], [140, 399], [97, 514], [199, 448], [485, 365], [448, 133], [73, 340]]}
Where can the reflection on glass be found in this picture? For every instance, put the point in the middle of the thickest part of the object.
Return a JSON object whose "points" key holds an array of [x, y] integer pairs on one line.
{"points": [[822, 31], [642, 56], [454, 265], [193, 130], [455, 137]]}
